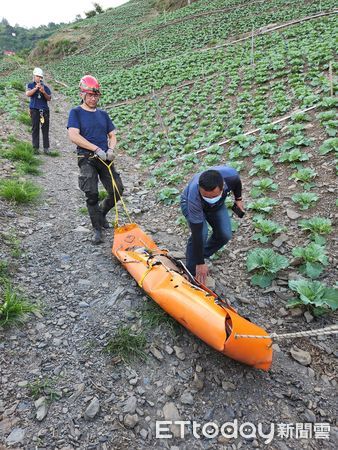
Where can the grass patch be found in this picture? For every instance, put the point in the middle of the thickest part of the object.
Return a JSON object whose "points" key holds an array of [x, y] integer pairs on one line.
{"points": [[25, 118], [83, 210], [127, 345], [23, 152], [53, 153], [102, 195], [27, 168], [153, 316], [12, 139], [44, 387], [14, 307], [3, 272], [19, 191], [13, 243]]}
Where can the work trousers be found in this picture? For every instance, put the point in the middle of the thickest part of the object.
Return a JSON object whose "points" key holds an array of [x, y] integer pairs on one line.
{"points": [[220, 223], [91, 170], [35, 116]]}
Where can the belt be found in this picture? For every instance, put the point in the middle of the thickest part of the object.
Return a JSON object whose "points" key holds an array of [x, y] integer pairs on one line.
{"points": [[86, 156]]}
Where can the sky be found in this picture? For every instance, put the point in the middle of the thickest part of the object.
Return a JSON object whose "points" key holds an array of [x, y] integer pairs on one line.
{"points": [[32, 14]]}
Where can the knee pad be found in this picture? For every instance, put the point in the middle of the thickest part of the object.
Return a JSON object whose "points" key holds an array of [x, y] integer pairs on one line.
{"points": [[92, 199]]}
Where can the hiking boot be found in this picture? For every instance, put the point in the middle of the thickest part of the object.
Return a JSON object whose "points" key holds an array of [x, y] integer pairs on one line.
{"points": [[36, 151], [95, 215], [97, 236], [46, 151]]}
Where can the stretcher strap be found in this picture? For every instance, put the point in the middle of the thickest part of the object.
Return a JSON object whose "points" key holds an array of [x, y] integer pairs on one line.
{"points": [[150, 263], [140, 283], [116, 189]]}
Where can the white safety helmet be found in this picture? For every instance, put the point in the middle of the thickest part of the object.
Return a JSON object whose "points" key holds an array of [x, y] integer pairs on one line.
{"points": [[37, 71]]}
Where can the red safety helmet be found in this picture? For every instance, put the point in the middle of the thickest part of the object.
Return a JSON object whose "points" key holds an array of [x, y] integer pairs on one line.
{"points": [[89, 85]]}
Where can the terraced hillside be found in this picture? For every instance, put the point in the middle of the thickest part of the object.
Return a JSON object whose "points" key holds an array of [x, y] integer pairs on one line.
{"points": [[193, 84], [251, 84]]}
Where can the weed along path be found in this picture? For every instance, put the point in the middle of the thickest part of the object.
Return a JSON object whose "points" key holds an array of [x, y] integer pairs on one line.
{"points": [[63, 384]]}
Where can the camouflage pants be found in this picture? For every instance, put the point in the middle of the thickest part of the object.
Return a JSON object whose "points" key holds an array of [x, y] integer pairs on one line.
{"points": [[91, 170]]}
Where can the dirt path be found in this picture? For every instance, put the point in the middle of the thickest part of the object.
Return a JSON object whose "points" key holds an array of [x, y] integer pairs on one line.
{"points": [[85, 296]]}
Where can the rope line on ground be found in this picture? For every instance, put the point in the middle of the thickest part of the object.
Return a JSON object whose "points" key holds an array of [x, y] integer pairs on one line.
{"points": [[333, 329]]}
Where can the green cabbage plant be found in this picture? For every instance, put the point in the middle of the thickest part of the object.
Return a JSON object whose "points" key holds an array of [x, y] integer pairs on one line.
{"points": [[266, 263]]}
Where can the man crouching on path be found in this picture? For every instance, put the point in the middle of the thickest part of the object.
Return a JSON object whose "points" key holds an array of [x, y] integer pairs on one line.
{"points": [[202, 203], [92, 130]]}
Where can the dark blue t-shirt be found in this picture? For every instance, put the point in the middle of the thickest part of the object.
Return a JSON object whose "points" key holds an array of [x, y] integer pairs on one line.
{"points": [[93, 125], [37, 100]]}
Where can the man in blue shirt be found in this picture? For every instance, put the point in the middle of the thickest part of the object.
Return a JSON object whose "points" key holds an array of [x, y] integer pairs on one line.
{"points": [[93, 132], [202, 203], [40, 95]]}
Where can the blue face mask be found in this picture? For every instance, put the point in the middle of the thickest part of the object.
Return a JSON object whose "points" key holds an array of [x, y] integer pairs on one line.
{"points": [[212, 200]]}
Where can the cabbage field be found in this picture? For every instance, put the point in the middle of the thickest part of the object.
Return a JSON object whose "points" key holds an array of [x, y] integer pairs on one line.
{"points": [[210, 84], [248, 83]]}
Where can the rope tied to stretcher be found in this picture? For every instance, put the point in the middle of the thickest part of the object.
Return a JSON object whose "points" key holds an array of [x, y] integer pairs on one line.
{"points": [[116, 190], [150, 263], [333, 329]]}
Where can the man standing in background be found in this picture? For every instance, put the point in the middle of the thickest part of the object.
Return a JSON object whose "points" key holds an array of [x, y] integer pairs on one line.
{"points": [[40, 95]]}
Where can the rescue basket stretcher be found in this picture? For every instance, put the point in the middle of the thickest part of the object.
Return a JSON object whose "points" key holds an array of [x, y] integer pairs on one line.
{"points": [[193, 305]]}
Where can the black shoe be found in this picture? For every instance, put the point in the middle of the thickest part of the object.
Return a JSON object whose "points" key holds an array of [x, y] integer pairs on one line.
{"points": [[46, 151], [97, 236]]}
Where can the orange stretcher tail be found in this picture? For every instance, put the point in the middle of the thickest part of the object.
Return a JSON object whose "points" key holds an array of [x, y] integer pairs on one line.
{"points": [[196, 308]]}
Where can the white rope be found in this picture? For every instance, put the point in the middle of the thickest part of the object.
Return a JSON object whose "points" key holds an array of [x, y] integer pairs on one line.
{"points": [[248, 133], [333, 329], [60, 82]]}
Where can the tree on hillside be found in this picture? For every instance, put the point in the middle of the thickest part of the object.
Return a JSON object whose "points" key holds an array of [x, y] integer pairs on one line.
{"points": [[90, 14], [171, 5], [97, 10]]}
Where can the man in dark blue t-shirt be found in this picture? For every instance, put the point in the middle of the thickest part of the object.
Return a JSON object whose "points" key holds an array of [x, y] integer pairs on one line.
{"points": [[40, 95], [202, 203], [93, 132]]}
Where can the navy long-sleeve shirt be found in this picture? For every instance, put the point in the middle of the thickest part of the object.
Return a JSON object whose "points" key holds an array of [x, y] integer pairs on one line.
{"points": [[196, 206]]}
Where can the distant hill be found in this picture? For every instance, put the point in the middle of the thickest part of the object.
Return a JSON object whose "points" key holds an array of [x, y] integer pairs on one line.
{"points": [[16, 38]]}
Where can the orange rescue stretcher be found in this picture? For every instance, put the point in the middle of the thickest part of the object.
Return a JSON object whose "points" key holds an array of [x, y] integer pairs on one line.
{"points": [[193, 305]]}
